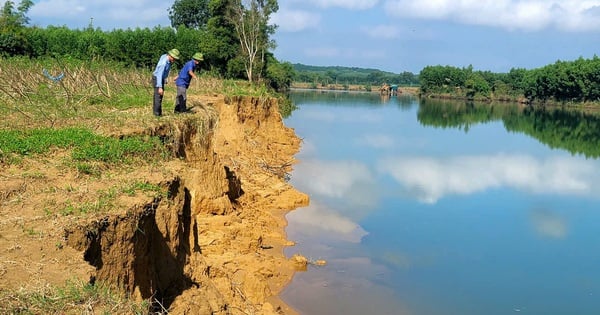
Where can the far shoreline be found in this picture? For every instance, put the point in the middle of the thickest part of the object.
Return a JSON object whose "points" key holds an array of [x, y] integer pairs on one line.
{"points": [[409, 90]]}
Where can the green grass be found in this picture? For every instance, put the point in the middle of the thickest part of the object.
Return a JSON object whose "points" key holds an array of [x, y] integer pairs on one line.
{"points": [[85, 145], [75, 297], [144, 187]]}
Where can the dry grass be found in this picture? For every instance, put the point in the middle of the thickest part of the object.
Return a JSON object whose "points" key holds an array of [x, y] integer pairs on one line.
{"points": [[75, 297], [47, 93]]}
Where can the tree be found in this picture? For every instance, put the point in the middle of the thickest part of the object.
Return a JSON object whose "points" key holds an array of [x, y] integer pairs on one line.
{"points": [[193, 14], [218, 42], [279, 75], [251, 21], [12, 27]]}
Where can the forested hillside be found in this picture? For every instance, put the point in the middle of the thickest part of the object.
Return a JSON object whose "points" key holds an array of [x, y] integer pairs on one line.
{"points": [[318, 75]]}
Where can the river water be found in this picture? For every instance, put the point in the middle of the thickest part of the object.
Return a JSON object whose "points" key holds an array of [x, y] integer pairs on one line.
{"points": [[443, 208]]}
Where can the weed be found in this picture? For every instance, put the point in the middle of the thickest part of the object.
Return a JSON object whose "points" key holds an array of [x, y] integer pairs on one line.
{"points": [[69, 209]]}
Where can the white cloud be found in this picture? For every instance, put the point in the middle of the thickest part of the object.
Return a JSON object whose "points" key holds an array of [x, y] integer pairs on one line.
{"points": [[295, 20], [345, 4], [530, 15], [106, 14], [430, 179], [58, 8]]}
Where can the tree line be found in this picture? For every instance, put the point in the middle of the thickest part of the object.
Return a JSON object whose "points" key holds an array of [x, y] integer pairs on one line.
{"points": [[563, 81], [233, 35], [324, 76]]}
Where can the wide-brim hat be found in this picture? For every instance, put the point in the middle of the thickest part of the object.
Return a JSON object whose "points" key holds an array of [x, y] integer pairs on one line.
{"points": [[198, 56], [174, 53]]}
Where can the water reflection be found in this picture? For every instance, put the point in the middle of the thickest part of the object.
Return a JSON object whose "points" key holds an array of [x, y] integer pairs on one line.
{"points": [[350, 183], [549, 224], [317, 219], [445, 208], [350, 98], [577, 131], [429, 179]]}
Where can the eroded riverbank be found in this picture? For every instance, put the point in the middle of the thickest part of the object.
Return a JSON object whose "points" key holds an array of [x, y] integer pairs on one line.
{"points": [[212, 244]]}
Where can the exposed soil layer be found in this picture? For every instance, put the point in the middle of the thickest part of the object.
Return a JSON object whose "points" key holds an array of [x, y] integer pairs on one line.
{"points": [[212, 245]]}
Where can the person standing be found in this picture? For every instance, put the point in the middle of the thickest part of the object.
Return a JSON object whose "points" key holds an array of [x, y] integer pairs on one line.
{"points": [[182, 81], [159, 77]]}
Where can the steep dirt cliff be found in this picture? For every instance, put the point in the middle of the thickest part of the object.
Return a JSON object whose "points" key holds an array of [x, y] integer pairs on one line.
{"points": [[212, 245]]}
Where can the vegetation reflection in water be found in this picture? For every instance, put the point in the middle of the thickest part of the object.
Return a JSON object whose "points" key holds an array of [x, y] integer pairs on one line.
{"points": [[574, 130], [492, 212]]}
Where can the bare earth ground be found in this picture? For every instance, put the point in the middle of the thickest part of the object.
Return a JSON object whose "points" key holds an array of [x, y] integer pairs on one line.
{"points": [[213, 245]]}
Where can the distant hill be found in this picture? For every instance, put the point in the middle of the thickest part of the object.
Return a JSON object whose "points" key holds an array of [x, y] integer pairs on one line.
{"points": [[351, 75], [302, 67]]}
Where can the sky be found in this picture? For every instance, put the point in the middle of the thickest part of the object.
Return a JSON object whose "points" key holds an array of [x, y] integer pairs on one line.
{"points": [[389, 35]]}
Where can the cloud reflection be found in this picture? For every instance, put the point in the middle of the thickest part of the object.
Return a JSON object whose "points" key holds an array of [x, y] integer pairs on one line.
{"points": [[430, 179], [321, 222], [549, 224], [377, 141], [348, 181]]}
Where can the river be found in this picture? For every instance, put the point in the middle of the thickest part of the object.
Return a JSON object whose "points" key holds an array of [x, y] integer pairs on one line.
{"points": [[444, 208]]}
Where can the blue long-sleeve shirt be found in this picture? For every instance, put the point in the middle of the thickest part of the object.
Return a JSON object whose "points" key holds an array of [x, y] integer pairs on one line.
{"points": [[161, 72]]}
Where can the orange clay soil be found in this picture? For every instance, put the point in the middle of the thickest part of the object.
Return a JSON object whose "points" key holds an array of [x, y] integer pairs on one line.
{"points": [[212, 245]]}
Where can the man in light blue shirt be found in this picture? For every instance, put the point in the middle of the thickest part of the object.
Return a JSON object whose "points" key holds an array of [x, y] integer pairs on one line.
{"points": [[159, 77], [182, 81]]}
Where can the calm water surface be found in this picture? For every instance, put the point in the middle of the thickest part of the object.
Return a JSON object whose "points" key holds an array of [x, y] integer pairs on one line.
{"points": [[444, 208]]}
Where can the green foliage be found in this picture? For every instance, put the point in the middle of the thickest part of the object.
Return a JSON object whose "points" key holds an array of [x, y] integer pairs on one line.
{"points": [[443, 79], [286, 107], [279, 75], [203, 26], [574, 81], [477, 85], [12, 28], [192, 14], [350, 75], [219, 42]]}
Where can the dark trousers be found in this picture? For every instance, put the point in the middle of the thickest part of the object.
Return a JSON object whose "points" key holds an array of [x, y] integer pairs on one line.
{"points": [[181, 99], [157, 99]]}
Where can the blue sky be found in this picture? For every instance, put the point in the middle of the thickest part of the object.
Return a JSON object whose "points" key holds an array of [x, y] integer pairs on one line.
{"points": [[390, 35]]}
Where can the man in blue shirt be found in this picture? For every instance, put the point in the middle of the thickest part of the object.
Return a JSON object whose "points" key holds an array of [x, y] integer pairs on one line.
{"points": [[182, 81], [159, 77]]}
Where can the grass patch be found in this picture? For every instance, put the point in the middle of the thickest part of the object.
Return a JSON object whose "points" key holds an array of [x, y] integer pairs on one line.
{"points": [[145, 187], [75, 297], [86, 146]]}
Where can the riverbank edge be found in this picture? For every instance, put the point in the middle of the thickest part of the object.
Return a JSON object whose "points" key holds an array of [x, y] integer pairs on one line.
{"points": [[213, 243]]}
